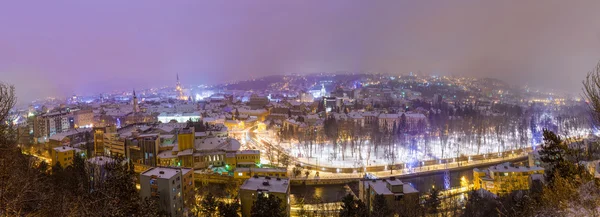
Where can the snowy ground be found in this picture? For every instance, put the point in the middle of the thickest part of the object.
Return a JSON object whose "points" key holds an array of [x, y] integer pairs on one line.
{"points": [[404, 152]]}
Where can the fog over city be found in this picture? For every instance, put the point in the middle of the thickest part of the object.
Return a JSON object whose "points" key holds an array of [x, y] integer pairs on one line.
{"points": [[83, 47]]}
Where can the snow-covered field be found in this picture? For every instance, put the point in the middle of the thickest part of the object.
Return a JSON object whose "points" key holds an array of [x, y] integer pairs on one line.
{"points": [[412, 151]]}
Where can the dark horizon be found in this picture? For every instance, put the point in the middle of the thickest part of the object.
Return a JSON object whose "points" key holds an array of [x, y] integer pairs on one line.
{"points": [[62, 49]]}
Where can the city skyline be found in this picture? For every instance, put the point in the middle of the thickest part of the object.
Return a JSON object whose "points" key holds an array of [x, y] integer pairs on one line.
{"points": [[68, 48]]}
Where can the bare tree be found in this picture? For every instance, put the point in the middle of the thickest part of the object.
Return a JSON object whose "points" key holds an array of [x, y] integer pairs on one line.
{"points": [[7, 101], [591, 91]]}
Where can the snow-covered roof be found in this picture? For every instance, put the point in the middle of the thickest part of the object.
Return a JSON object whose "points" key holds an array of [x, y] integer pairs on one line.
{"points": [[381, 186], [166, 155], [216, 143], [185, 152], [506, 167], [63, 149], [61, 136], [264, 184]]}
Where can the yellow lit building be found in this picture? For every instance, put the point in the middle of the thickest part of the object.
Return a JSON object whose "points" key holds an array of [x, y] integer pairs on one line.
{"points": [[186, 138], [246, 173], [247, 158], [505, 178], [99, 138], [114, 145], [63, 155]]}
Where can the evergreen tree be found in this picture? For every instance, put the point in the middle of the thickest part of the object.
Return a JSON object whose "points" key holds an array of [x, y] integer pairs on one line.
{"points": [[352, 207], [480, 203], [209, 204], [229, 209], [555, 153], [267, 206], [433, 202], [349, 208], [380, 207]]}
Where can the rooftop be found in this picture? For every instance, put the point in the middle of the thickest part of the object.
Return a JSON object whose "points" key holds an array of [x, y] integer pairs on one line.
{"points": [[63, 149], [166, 154], [280, 185], [185, 152], [380, 186], [216, 143], [507, 167], [248, 152], [61, 136], [161, 172]]}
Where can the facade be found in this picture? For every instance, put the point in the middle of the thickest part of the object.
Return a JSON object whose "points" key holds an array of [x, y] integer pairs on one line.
{"points": [[271, 187], [143, 150], [247, 158], [83, 118], [114, 145], [103, 136], [174, 188], [63, 120], [52, 123], [393, 190], [258, 101], [505, 178], [73, 138], [246, 173], [387, 121], [63, 155]]}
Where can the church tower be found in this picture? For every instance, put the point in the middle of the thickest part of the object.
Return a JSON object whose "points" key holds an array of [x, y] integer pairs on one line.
{"points": [[135, 103], [179, 90]]}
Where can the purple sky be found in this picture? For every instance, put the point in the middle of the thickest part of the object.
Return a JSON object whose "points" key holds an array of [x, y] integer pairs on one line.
{"points": [[57, 48]]}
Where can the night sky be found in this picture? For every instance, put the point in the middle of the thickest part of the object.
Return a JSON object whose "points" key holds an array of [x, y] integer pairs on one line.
{"points": [[81, 47]]}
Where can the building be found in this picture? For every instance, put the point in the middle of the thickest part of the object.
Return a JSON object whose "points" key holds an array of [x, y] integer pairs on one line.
{"points": [[83, 118], [412, 120], [63, 155], [136, 108], [393, 190], [52, 123], [114, 145], [179, 90], [246, 173], [270, 187], [247, 158], [505, 178], [331, 104], [258, 101], [174, 188], [143, 150], [99, 138], [72, 138]]}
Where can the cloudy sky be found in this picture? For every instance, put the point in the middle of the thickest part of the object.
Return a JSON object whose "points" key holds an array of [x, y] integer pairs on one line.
{"points": [[60, 48]]}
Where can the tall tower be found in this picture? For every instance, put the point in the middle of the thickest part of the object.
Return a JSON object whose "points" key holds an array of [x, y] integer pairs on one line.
{"points": [[135, 103], [178, 84], [179, 90]]}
